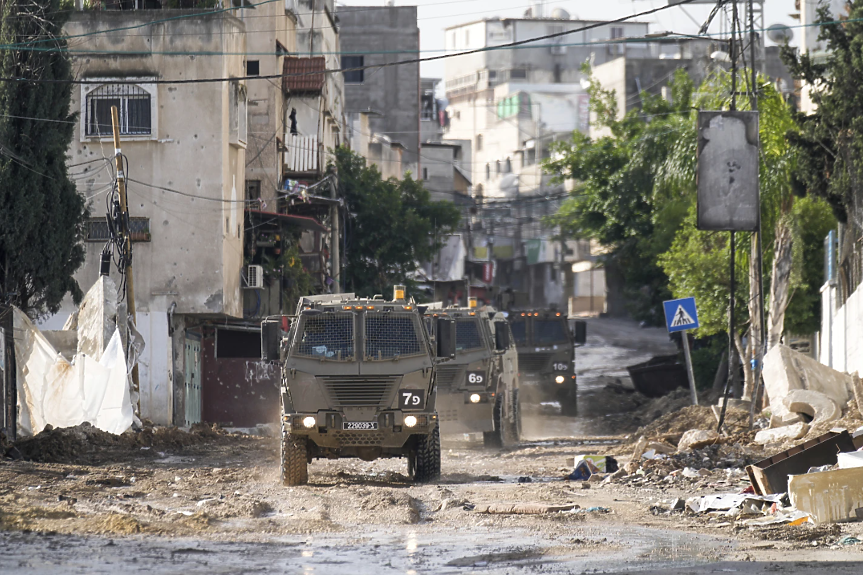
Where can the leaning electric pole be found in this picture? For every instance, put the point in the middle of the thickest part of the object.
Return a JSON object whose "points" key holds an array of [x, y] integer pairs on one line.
{"points": [[127, 239]]}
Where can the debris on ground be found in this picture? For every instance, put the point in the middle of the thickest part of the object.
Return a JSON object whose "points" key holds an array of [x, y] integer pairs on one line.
{"points": [[84, 443], [828, 496], [522, 508]]}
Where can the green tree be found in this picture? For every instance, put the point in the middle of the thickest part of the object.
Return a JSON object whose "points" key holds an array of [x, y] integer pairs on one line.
{"points": [[391, 225], [616, 201], [41, 213]]}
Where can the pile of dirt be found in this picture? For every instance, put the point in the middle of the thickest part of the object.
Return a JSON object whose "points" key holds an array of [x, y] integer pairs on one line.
{"points": [[692, 417], [81, 443]]}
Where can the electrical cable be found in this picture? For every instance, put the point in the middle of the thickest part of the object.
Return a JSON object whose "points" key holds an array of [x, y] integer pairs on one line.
{"points": [[356, 68]]}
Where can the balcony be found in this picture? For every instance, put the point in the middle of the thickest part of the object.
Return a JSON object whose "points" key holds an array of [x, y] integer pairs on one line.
{"points": [[302, 155]]}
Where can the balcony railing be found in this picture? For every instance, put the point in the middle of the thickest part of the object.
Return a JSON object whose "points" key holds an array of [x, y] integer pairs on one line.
{"points": [[302, 154]]}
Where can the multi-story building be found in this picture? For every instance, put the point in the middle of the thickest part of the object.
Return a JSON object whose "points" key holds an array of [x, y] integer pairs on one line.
{"points": [[371, 37], [185, 144], [512, 103]]}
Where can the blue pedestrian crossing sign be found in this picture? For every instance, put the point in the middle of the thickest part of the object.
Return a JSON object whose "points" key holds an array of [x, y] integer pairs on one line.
{"points": [[680, 314]]}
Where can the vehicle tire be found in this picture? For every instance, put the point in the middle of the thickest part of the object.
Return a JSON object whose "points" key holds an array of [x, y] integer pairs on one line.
{"points": [[494, 439], [569, 403], [513, 426], [295, 465], [426, 461]]}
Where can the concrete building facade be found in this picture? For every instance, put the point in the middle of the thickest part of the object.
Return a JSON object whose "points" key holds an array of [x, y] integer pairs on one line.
{"points": [[376, 36], [185, 145]]}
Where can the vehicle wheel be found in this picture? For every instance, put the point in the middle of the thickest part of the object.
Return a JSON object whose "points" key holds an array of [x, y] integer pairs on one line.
{"points": [[494, 439], [569, 403], [513, 426], [426, 460], [295, 466]]}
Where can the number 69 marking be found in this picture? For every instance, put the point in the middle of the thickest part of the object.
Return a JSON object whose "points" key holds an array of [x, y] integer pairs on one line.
{"points": [[412, 398], [476, 377]]}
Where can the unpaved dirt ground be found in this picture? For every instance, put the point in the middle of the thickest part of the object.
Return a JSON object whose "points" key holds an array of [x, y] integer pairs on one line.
{"points": [[167, 501]]}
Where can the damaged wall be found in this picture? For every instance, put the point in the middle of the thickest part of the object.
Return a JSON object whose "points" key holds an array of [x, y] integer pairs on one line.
{"points": [[841, 345]]}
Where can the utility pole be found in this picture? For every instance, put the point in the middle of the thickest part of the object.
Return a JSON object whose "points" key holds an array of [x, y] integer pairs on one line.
{"points": [[127, 240], [335, 259]]}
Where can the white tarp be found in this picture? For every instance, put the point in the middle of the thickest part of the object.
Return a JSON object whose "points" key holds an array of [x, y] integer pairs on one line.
{"points": [[52, 390]]}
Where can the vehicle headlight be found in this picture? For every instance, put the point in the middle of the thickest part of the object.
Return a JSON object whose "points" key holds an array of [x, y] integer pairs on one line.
{"points": [[474, 398], [410, 421], [309, 421], [559, 379]]}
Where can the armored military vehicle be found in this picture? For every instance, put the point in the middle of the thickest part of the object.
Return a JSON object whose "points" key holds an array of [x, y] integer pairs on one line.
{"points": [[546, 355], [478, 390], [358, 380]]}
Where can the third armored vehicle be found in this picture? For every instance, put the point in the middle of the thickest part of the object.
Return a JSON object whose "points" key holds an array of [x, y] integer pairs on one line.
{"points": [[546, 355], [358, 380], [478, 390]]}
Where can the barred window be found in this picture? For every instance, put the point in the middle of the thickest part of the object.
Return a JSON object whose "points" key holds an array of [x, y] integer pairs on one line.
{"points": [[97, 230], [133, 107], [391, 335], [327, 336], [519, 332], [467, 334]]}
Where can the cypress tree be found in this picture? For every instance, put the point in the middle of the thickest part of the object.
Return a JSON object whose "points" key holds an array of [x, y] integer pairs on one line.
{"points": [[42, 215]]}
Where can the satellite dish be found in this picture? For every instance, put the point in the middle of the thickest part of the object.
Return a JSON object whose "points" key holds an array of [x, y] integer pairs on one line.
{"points": [[509, 185], [560, 14], [720, 56], [780, 33]]}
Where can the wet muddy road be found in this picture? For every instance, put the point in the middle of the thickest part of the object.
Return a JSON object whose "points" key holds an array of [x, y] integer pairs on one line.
{"points": [[212, 505]]}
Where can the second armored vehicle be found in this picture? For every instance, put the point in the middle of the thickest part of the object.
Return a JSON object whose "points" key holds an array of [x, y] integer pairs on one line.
{"points": [[478, 390]]}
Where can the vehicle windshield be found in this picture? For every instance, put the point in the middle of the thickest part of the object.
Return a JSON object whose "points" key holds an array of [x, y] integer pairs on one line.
{"points": [[327, 336], [391, 335], [468, 335], [548, 331], [519, 332]]}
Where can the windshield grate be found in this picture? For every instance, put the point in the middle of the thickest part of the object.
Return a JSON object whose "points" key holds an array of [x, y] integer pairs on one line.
{"points": [[548, 331], [328, 337], [391, 335], [467, 334], [519, 332]]}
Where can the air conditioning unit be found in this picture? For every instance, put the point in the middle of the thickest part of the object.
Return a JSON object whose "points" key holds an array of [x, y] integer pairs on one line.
{"points": [[255, 277]]}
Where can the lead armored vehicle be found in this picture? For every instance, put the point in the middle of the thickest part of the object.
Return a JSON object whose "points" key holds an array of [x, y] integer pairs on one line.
{"points": [[478, 390], [546, 356], [358, 380]]}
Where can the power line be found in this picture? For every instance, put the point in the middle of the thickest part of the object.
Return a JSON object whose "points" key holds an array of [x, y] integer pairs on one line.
{"points": [[358, 68]]}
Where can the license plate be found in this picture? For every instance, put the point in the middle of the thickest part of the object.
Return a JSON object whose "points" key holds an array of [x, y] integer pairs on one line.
{"points": [[360, 425]]}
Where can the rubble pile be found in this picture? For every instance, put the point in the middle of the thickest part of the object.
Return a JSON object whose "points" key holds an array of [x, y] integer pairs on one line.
{"points": [[77, 444], [674, 424]]}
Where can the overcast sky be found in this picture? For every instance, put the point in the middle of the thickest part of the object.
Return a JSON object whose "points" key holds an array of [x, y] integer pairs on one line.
{"points": [[434, 16]]}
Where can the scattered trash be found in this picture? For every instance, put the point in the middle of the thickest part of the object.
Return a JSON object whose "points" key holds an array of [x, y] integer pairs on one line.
{"points": [[591, 510], [524, 480], [828, 496], [771, 475], [584, 468], [850, 460], [849, 540]]}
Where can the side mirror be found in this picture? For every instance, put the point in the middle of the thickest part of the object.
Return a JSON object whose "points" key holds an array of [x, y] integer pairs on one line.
{"points": [[579, 332], [501, 337], [445, 337], [271, 339]]}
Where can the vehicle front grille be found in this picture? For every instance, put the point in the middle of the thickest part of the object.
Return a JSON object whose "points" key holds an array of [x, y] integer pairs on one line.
{"points": [[359, 391], [449, 375], [534, 362], [359, 438]]}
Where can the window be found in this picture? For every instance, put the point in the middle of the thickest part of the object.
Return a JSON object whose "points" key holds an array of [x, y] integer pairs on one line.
{"points": [[519, 332], [391, 336], [497, 166], [508, 166], [425, 174], [253, 67], [479, 142], [97, 230], [327, 337], [548, 331], [238, 344], [239, 114], [487, 171], [280, 48], [253, 189], [468, 335], [518, 73], [353, 76], [133, 108], [616, 32]]}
